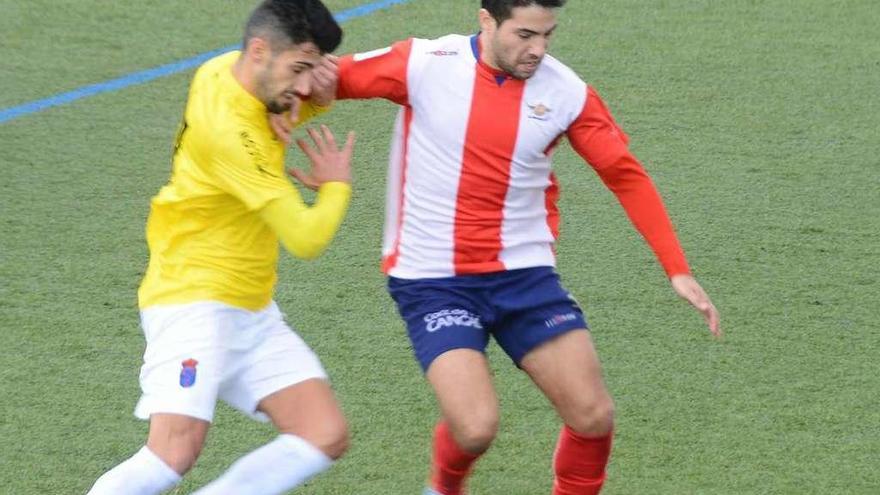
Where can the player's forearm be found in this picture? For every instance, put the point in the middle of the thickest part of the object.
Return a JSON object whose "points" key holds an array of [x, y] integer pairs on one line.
{"points": [[307, 231], [377, 74], [599, 140], [639, 197]]}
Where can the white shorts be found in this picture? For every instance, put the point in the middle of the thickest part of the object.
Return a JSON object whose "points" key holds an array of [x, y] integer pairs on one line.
{"points": [[198, 353]]}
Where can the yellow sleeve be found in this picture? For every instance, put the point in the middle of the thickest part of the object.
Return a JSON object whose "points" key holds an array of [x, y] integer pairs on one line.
{"points": [[244, 166], [309, 110], [306, 231]]}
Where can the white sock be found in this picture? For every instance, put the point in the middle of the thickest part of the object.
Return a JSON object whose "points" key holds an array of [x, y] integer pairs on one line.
{"points": [[142, 474], [280, 465]]}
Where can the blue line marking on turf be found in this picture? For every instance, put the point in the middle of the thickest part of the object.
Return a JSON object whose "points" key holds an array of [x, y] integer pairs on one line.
{"points": [[140, 77]]}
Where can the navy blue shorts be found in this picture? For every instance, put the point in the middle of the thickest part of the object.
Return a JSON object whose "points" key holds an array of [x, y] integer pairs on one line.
{"points": [[521, 309]]}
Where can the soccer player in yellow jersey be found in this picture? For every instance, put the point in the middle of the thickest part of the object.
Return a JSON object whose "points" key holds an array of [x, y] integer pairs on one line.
{"points": [[211, 327]]}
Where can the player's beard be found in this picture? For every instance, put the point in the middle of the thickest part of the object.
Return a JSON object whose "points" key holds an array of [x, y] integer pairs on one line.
{"points": [[511, 67], [280, 103], [278, 106], [275, 101]]}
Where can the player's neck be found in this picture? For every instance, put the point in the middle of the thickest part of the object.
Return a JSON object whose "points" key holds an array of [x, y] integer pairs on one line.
{"points": [[487, 61], [244, 75], [486, 55]]}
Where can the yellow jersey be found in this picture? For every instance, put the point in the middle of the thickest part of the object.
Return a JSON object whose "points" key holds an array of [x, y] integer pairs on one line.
{"points": [[206, 237]]}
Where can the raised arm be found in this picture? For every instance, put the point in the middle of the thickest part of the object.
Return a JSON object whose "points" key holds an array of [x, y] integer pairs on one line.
{"points": [[242, 171], [304, 231], [379, 73], [307, 231]]}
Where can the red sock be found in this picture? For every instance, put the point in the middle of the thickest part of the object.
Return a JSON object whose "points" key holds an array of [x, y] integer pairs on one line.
{"points": [[450, 465], [580, 463]]}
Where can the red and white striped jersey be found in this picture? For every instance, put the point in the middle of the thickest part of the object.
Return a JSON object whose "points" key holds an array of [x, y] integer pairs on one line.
{"points": [[470, 187]]}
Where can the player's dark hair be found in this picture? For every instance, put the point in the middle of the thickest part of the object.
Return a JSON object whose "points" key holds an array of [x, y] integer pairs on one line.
{"points": [[502, 10], [290, 22]]}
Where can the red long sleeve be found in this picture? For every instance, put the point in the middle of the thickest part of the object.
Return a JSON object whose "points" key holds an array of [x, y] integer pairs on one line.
{"points": [[380, 73], [596, 137]]}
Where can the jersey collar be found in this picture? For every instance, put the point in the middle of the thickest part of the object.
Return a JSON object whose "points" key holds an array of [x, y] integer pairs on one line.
{"points": [[476, 47]]}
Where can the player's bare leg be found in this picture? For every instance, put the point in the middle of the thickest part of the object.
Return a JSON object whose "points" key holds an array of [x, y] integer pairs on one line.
{"points": [[312, 434], [177, 439], [173, 445], [567, 371], [469, 407], [310, 411]]}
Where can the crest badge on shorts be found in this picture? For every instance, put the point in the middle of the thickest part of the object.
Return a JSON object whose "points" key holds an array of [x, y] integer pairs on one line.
{"points": [[188, 373]]}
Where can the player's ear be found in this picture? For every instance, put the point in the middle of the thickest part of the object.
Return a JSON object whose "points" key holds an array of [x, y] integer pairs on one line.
{"points": [[257, 49], [487, 22]]}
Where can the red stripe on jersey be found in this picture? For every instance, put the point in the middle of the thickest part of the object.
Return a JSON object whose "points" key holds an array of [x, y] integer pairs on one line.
{"points": [[551, 197], [485, 175], [390, 261]]}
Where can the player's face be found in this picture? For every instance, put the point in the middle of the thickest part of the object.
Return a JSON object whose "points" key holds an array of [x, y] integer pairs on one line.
{"points": [[518, 45], [286, 78]]}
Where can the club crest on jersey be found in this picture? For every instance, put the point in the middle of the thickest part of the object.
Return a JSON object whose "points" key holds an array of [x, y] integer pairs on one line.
{"points": [[539, 111], [188, 373]]}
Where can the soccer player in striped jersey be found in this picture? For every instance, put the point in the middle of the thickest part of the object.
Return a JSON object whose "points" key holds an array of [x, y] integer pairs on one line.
{"points": [[471, 220], [212, 329]]}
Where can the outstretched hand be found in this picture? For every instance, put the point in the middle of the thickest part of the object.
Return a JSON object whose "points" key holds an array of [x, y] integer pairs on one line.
{"points": [[688, 289], [329, 163]]}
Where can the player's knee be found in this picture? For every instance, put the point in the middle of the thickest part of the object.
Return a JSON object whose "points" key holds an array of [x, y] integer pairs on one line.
{"points": [[180, 456], [177, 442], [476, 433], [185, 460], [336, 442], [592, 417], [332, 437]]}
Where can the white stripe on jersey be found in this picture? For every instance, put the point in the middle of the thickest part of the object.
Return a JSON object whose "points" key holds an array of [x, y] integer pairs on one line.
{"points": [[440, 85]]}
